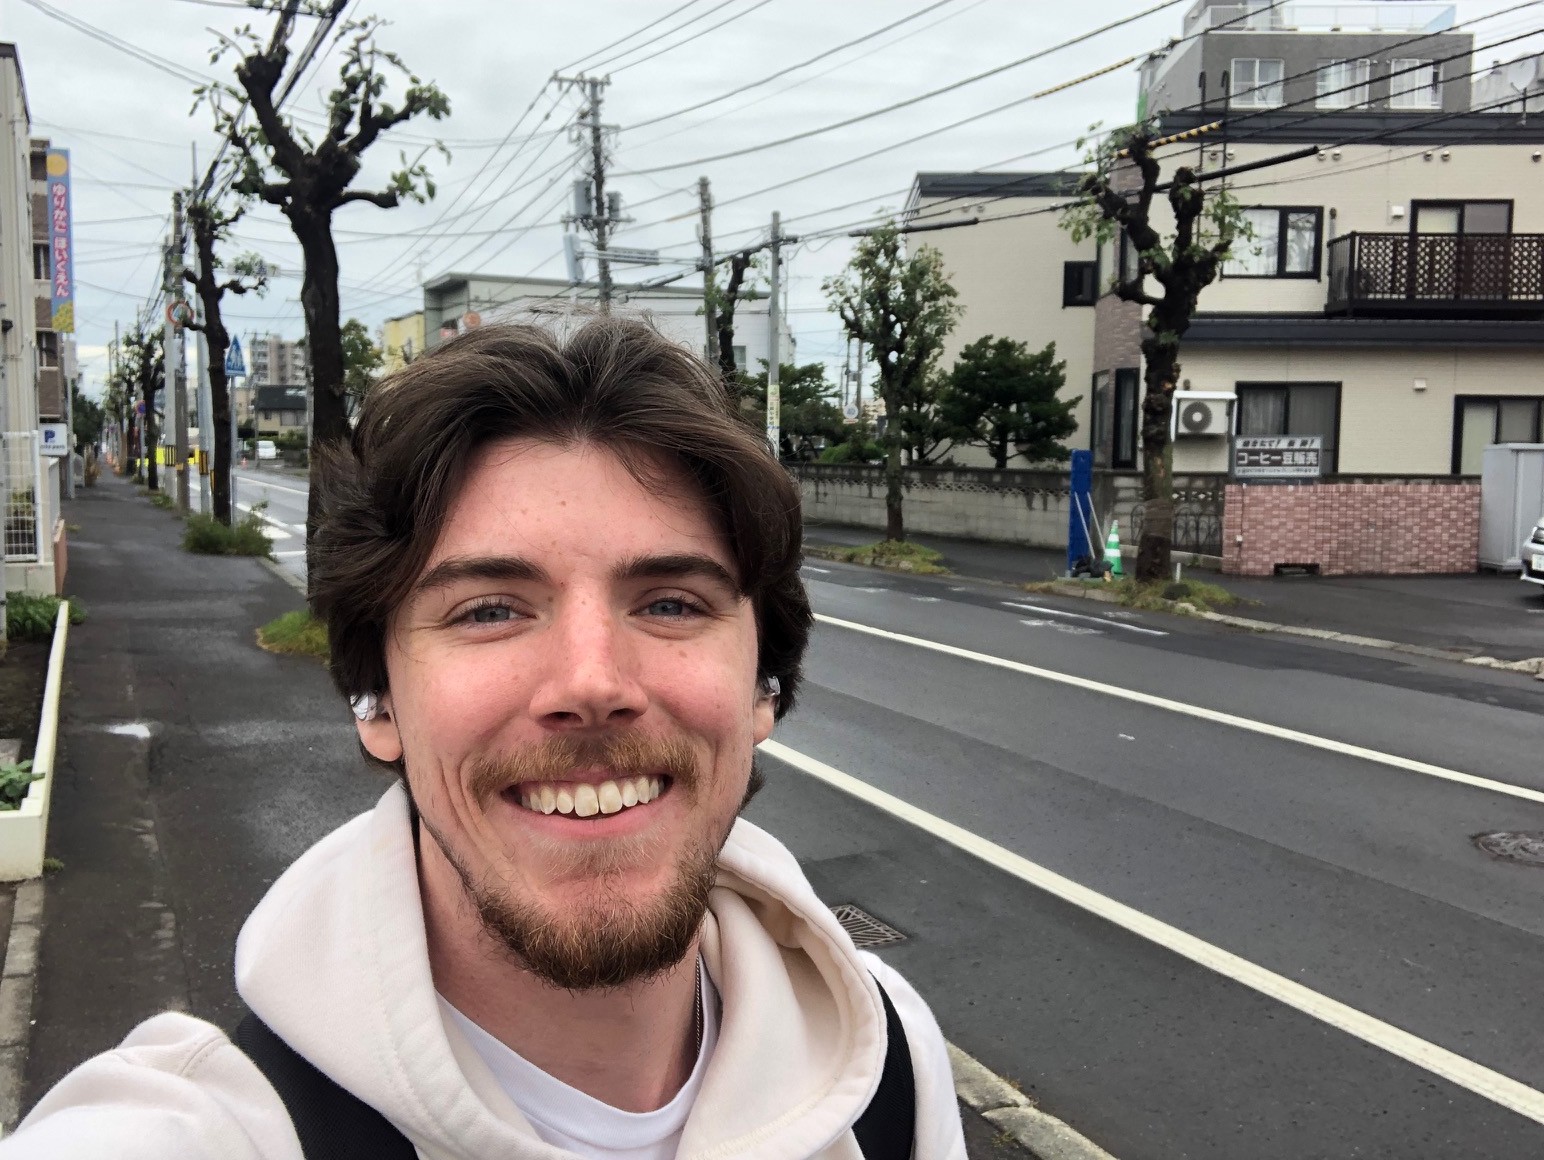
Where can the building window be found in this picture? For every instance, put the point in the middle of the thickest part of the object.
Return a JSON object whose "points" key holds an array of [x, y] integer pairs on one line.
{"points": [[1128, 262], [1080, 283], [1284, 243], [1127, 389], [1293, 409], [739, 357], [1461, 217], [48, 348], [1255, 83], [42, 267], [1415, 84], [1343, 83], [1480, 421]]}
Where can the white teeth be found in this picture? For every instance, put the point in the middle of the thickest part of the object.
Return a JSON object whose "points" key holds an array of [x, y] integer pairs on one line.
{"points": [[586, 801], [629, 790], [549, 799], [564, 800], [656, 787], [610, 798]]}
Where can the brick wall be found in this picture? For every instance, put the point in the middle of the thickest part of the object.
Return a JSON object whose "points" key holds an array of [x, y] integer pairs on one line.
{"points": [[1352, 528]]}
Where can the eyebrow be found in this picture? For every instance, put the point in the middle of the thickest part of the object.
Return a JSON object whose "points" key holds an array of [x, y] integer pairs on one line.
{"points": [[677, 565], [459, 568]]}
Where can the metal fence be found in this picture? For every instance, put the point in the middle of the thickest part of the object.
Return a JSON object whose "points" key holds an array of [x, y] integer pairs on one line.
{"points": [[21, 487]]}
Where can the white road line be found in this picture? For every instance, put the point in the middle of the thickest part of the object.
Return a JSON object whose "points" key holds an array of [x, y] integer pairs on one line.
{"points": [[1282, 733], [258, 482], [1104, 620], [812, 568], [296, 552], [1474, 1077], [274, 532], [1073, 629], [857, 589]]}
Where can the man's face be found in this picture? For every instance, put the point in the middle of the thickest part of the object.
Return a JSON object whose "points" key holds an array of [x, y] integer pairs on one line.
{"points": [[573, 691]]}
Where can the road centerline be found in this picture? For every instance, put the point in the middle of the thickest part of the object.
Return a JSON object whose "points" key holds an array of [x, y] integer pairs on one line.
{"points": [[1280, 732], [1457, 1069], [1108, 622]]}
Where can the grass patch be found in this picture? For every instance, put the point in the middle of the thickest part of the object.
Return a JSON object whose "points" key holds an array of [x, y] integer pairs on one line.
{"points": [[899, 555], [29, 617], [162, 500], [209, 537], [52, 865], [1159, 596], [295, 633]]}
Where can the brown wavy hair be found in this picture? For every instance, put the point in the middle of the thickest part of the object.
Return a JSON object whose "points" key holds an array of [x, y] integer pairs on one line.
{"points": [[612, 382]]}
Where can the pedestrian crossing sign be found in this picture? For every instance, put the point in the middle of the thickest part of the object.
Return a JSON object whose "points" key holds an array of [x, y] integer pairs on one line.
{"points": [[235, 362]]}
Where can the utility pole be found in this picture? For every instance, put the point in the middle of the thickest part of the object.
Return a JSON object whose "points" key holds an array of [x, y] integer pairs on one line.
{"points": [[179, 354], [774, 325], [705, 236], [600, 222]]}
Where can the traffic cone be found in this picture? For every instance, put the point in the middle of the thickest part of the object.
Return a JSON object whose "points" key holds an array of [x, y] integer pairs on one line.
{"points": [[1112, 549]]}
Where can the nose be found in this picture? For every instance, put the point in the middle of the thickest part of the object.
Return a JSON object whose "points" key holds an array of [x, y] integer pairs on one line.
{"points": [[589, 670]]}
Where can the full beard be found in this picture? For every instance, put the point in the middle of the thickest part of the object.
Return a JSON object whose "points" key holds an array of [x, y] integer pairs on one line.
{"points": [[610, 939]]}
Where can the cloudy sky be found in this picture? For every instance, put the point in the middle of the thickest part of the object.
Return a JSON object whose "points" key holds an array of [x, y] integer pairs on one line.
{"points": [[112, 81]]}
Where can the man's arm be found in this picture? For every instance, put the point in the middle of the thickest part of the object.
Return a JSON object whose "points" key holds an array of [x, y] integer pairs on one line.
{"points": [[175, 1087]]}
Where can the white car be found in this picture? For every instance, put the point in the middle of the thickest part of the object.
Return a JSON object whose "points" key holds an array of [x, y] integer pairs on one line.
{"points": [[1532, 553], [266, 449]]}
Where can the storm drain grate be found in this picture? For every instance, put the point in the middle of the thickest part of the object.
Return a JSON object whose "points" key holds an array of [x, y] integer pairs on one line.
{"points": [[867, 931], [1513, 845]]}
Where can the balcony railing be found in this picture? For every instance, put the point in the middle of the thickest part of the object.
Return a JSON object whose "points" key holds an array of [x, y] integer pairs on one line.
{"points": [[1456, 275]]}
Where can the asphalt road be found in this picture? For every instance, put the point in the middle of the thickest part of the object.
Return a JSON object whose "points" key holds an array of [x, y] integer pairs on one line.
{"points": [[284, 514], [1262, 942]]}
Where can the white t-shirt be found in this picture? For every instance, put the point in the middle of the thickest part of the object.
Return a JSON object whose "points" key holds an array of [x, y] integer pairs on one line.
{"points": [[570, 1119]]}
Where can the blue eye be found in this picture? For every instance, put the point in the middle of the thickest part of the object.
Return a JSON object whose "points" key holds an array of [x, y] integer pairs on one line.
{"points": [[491, 614], [672, 607]]}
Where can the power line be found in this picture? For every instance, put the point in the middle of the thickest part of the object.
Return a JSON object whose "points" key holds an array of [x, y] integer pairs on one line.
{"points": [[144, 56], [693, 36], [596, 66], [909, 101], [791, 68], [622, 39]]}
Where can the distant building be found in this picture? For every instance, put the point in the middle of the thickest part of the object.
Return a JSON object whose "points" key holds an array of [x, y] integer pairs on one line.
{"points": [[280, 409], [402, 340], [271, 360], [454, 301]]}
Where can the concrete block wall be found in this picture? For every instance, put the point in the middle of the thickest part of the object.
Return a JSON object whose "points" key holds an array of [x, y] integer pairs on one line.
{"points": [[1340, 529]]}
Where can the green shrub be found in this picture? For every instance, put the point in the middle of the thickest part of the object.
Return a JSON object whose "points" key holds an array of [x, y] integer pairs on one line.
{"points": [[162, 500], [853, 451], [29, 617], [209, 537], [901, 555], [298, 633], [15, 779]]}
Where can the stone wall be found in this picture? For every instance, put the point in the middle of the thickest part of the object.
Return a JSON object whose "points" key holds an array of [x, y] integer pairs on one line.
{"points": [[1346, 528]]}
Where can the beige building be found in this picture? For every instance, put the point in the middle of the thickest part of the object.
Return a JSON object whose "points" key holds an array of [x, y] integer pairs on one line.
{"points": [[1021, 277], [402, 340]]}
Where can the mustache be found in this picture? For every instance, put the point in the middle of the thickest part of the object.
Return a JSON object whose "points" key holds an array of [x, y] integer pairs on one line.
{"points": [[556, 759]]}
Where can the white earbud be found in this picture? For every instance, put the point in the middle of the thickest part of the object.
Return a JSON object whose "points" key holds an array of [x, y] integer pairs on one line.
{"points": [[771, 687], [366, 706]]}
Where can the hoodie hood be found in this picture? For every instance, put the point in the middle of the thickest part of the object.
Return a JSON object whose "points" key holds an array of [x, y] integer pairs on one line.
{"points": [[335, 960]]}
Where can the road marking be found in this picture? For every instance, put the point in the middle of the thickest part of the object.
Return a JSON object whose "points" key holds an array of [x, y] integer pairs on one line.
{"points": [[1278, 731], [857, 589], [1072, 629], [274, 532], [268, 519], [296, 552], [1455, 1068], [927, 599], [812, 568], [1108, 623], [257, 481]]}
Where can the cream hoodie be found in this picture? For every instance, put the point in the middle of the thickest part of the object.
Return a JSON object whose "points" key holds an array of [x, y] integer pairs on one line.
{"points": [[334, 960]]}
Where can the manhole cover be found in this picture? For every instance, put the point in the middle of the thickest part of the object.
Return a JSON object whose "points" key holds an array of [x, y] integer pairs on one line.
{"points": [[866, 930], [1526, 846]]}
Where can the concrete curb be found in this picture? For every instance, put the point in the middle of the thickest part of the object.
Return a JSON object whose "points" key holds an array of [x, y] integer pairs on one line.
{"points": [[1000, 1103], [18, 987], [289, 578]]}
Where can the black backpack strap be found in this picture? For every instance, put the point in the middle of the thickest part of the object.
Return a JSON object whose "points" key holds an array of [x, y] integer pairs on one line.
{"points": [[332, 1123], [887, 1126]]}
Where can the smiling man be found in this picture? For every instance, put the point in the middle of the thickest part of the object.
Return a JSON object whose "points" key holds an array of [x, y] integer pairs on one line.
{"points": [[560, 579]]}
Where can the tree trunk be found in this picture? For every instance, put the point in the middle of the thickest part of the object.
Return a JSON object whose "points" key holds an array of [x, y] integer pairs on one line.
{"points": [[324, 345], [217, 340], [152, 475], [1157, 540], [895, 526], [1000, 452]]}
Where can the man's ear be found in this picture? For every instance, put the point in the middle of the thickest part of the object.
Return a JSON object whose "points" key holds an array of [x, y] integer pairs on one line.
{"points": [[764, 712], [378, 732]]}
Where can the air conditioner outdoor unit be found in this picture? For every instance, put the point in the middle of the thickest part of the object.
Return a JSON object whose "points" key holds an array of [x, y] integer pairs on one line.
{"points": [[1202, 413]]}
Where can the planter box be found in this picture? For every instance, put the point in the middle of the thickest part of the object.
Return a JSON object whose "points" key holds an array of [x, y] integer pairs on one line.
{"points": [[24, 831]]}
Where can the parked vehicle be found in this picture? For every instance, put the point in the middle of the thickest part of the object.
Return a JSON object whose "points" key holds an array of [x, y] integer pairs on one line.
{"points": [[1532, 553], [266, 449]]}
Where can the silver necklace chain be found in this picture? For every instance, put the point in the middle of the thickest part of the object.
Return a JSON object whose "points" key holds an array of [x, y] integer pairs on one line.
{"points": [[697, 1008]]}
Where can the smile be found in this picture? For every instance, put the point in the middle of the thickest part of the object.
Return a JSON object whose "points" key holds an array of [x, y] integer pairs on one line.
{"points": [[583, 800]]}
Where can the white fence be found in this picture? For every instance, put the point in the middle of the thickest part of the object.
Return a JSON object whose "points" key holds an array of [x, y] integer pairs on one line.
{"points": [[25, 501]]}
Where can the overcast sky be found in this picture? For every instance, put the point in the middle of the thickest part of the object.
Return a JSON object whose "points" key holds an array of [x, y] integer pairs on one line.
{"points": [[132, 135]]}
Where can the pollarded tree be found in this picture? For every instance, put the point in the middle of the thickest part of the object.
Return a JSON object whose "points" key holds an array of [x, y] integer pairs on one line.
{"points": [[309, 179], [212, 280], [1002, 396], [902, 307], [1183, 262], [141, 374], [743, 284]]}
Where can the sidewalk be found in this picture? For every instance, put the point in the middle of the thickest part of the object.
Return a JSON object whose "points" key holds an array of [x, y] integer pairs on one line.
{"points": [[1478, 615]]}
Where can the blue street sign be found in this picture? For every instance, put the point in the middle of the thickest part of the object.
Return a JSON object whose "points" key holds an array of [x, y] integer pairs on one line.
{"points": [[235, 364]]}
